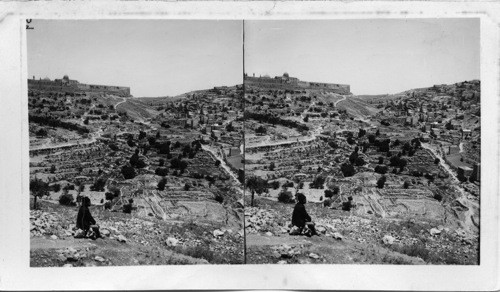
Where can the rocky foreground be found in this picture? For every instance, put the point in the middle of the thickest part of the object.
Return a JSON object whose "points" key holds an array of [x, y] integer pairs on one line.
{"points": [[128, 240], [346, 238]]}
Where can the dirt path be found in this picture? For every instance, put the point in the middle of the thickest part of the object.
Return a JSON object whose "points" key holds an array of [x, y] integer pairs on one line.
{"points": [[317, 250], [343, 98], [222, 163], [102, 252]]}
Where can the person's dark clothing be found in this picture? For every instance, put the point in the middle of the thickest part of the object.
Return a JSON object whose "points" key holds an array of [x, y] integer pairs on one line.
{"points": [[300, 216], [84, 218]]}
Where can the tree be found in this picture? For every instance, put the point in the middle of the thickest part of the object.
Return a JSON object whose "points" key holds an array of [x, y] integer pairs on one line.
{"points": [[161, 184], [317, 182], [271, 166], [261, 130], [328, 193], [381, 182], [380, 160], [382, 169], [161, 162], [128, 172], [256, 185], [285, 197], [161, 171], [38, 188], [52, 168], [66, 200], [347, 169], [142, 135], [406, 184]]}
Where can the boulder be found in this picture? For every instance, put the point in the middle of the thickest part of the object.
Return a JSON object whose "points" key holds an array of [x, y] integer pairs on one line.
{"points": [[99, 259], [121, 238], [387, 239], [218, 233], [313, 255], [54, 237], [337, 236], [105, 232], [321, 229], [434, 231], [172, 241]]}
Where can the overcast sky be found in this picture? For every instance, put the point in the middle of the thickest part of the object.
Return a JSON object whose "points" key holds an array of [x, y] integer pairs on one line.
{"points": [[373, 56], [153, 57]]}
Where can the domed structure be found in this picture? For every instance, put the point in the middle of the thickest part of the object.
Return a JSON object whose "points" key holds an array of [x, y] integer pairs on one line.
{"points": [[66, 77], [286, 75], [46, 79]]}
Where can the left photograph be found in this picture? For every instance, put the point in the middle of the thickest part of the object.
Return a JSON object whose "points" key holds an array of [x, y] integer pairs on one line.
{"points": [[135, 142]]}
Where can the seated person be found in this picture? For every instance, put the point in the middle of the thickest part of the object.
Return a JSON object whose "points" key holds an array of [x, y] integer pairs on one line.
{"points": [[347, 206], [85, 221], [301, 221]]}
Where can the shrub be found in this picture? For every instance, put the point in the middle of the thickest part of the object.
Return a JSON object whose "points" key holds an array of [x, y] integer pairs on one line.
{"points": [[347, 169], [381, 160], [275, 185], [161, 162], [161, 184], [382, 169], [360, 161], [66, 200], [55, 187], [381, 182], [219, 198], [288, 184], [128, 172], [328, 193], [187, 187], [317, 183], [285, 197], [109, 196], [438, 197], [272, 166], [406, 184], [98, 185]]}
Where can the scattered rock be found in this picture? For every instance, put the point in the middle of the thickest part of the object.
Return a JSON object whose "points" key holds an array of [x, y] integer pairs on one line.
{"points": [[387, 239], [337, 236], [105, 232], [99, 259], [54, 237], [269, 233], [434, 231], [61, 257], [218, 233], [121, 238], [68, 266], [172, 241], [314, 256], [321, 229], [282, 262]]}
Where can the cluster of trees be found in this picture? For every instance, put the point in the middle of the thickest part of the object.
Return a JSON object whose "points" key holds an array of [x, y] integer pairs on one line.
{"points": [[58, 123], [317, 183], [274, 120]]}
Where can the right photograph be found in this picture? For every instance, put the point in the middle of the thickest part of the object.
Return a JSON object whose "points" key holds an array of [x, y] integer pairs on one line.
{"points": [[362, 141]]}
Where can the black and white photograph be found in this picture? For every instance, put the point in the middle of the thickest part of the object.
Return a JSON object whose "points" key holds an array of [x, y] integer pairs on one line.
{"points": [[144, 169], [250, 145], [362, 141]]}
